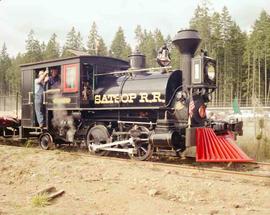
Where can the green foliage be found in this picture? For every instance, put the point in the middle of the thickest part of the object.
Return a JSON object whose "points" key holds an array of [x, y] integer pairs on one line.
{"points": [[175, 55], [13, 75], [224, 40], [52, 49], [201, 22], [5, 63], [243, 67], [33, 49], [119, 47], [29, 143], [257, 58], [95, 44], [149, 43], [74, 41]]}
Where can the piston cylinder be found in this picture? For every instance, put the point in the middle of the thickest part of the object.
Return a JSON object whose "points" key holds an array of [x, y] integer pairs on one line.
{"points": [[164, 140]]}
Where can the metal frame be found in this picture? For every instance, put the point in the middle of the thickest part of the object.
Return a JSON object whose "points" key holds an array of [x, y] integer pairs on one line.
{"points": [[66, 89]]}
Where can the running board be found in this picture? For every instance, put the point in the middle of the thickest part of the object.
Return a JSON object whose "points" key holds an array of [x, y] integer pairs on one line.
{"points": [[213, 148]]}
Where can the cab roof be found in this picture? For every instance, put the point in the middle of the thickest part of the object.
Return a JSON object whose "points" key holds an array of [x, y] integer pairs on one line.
{"points": [[90, 57]]}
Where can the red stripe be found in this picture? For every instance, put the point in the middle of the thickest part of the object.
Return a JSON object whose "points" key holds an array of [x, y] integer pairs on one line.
{"points": [[191, 107]]}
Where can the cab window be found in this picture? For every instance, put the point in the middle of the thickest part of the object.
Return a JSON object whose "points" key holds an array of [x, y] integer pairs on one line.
{"points": [[70, 83]]}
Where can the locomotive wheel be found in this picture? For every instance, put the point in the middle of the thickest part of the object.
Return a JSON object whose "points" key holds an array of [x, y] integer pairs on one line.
{"points": [[144, 149], [46, 141], [97, 135]]}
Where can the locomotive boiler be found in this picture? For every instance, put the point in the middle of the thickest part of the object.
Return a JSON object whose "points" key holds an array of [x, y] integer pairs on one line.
{"points": [[110, 105]]}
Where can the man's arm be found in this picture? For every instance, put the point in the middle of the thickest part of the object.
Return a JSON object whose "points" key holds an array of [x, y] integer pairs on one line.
{"points": [[44, 77]]}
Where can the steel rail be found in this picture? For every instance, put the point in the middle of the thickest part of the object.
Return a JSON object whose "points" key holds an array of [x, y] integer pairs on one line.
{"points": [[178, 166]]}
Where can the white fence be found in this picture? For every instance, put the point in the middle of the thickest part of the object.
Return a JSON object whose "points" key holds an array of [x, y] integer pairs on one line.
{"points": [[10, 105]]}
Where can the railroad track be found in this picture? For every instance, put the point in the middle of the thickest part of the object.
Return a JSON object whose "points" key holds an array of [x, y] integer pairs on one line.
{"points": [[242, 169], [184, 166]]}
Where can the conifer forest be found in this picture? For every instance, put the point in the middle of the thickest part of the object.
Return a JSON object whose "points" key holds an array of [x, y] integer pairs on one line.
{"points": [[243, 58]]}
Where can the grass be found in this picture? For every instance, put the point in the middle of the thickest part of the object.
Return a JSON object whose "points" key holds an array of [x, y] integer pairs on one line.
{"points": [[264, 149], [256, 142], [40, 200], [30, 143], [260, 150]]}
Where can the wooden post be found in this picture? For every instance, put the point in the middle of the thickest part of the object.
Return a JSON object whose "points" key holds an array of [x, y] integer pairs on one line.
{"points": [[17, 104]]}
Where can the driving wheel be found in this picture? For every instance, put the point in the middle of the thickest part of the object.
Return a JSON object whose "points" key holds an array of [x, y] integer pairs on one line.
{"points": [[97, 135]]}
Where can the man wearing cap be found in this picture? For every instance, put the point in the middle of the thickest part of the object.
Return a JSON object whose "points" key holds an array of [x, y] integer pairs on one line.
{"points": [[54, 79], [40, 83]]}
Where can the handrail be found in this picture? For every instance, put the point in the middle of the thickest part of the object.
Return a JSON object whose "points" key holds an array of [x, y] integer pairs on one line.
{"points": [[133, 70]]}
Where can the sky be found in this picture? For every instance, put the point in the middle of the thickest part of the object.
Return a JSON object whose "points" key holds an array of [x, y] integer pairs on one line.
{"points": [[18, 17]]}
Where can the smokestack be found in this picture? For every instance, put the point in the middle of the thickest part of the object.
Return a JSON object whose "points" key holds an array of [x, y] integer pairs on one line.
{"points": [[187, 42]]}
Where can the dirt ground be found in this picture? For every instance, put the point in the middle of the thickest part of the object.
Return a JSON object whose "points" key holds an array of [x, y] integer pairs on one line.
{"points": [[107, 186]]}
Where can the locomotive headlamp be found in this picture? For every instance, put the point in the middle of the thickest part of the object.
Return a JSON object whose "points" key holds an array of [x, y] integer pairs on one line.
{"points": [[210, 70], [202, 111], [203, 71]]}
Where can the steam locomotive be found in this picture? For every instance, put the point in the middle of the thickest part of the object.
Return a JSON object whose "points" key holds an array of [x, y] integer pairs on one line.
{"points": [[111, 105]]}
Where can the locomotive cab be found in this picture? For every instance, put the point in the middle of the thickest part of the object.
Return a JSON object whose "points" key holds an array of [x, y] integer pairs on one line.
{"points": [[75, 89]]}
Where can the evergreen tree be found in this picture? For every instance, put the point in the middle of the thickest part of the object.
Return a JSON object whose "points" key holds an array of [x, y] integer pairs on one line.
{"points": [[159, 39], [73, 41], [33, 49], [224, 40], [226, 23], [175, 55], [257, 58], [102, 48], [201, 21], [119, 47], [43, 49], [5, 63], [148, 44], [95, 44], [216, 39], [79, 42], [242, 61], [139, 36], [14, 74], [150, 49], [52, 50]]}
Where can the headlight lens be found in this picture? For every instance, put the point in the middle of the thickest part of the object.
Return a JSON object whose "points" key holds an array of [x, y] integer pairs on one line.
{"points": [[211, 71]]}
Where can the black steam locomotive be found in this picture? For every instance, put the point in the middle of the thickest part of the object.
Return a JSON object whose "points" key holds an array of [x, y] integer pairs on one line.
{"points": [[112, 105]]}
